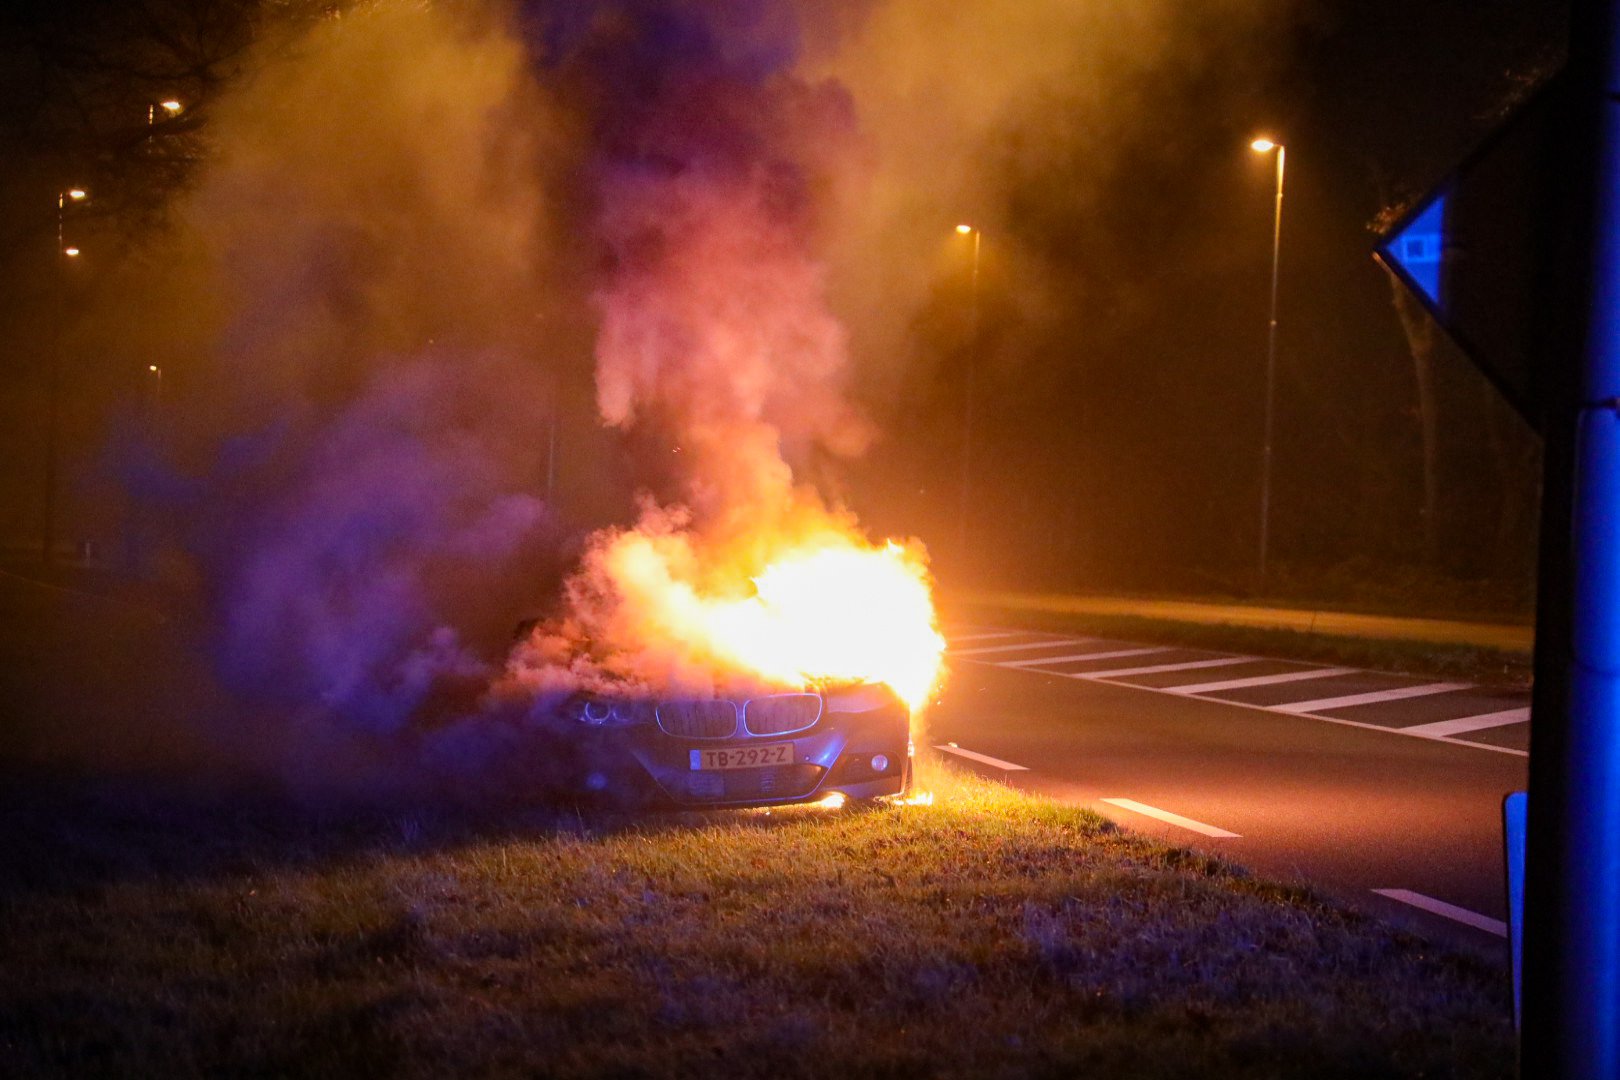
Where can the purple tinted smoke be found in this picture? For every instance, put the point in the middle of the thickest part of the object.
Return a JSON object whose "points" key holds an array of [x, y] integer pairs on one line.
{"points": [[351, 555]]}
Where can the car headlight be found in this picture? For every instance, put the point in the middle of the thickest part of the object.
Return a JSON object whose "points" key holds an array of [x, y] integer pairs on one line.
{"points": [[633, 712], [604, 712]]}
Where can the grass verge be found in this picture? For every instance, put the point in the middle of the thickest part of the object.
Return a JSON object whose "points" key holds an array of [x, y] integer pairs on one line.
{"points": [[1494, 667], [988, 934]]}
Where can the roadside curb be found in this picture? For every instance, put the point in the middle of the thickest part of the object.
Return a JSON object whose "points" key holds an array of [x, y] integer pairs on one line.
{"points": [[1507, 637]]}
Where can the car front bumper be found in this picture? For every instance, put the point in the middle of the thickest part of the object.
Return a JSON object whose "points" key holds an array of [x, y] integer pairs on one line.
{"points": [[860, 754]]}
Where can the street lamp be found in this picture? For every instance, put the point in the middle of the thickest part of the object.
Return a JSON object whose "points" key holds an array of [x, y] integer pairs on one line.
{"points": [[63, 197], [1266, 146], [171, 106], [64, 252], [967, 396]]}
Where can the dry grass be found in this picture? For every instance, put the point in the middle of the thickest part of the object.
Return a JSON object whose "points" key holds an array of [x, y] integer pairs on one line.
{"points": [[990, 934]]}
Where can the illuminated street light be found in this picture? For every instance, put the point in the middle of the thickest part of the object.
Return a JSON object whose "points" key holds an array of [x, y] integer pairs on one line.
{"points": [[63, 197], [1265, 146], [171, 106], [47, 539], [962, 537]]}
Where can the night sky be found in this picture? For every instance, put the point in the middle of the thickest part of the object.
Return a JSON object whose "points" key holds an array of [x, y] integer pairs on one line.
{"points": [[1137, 460], [1123, 314]]}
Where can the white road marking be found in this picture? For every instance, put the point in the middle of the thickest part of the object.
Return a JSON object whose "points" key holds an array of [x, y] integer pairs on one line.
{"points": [[1342, 722], [1174, 819], [1286, 677], [1445, 910], [1154, 669], [1371, 698], [985, 759], [1112, 654], [954, 638], [1259, 680], [1463, 724], [983, 649]]}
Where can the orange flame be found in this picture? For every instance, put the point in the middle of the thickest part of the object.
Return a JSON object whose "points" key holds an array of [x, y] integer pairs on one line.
{"points": [[836, 614], [803, 601]]}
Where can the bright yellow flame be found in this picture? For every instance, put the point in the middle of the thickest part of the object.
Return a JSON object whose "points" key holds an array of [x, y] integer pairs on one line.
{"points": [[828, 607], [834, 800], [964, 229], [1263, 145], [151, 367], [837, 614], [171, 106], [70, 251], [76, 193]]}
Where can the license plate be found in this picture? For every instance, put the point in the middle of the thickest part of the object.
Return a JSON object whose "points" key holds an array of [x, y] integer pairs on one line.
{"points": [[744, 757]]}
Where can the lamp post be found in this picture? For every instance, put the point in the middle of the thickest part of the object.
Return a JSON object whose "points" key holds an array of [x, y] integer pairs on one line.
{"points": [[171, 108], [967, 396], [1265, 146], [64, 252]]}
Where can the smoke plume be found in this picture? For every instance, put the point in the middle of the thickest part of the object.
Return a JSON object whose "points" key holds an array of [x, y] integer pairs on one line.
{"points": [[422, 224], [361, 443]]}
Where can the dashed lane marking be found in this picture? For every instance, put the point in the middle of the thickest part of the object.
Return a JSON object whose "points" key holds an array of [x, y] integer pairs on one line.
{"points": [[983, 759], [1374, 697], [1448, 911], [1173, 819], [1259, 680], [991, 634], [1111, 654], [1464, 724], [984, 650]]}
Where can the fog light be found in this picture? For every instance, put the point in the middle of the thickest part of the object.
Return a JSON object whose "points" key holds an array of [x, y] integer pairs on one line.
{"points": [[880, 762]]}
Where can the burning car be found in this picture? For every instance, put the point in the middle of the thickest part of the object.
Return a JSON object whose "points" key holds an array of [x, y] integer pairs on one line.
{"points": [[677, 676], [771, 748]]}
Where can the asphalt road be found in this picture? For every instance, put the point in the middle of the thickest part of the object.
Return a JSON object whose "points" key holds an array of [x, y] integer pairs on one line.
{"points": [[1350, 781]]}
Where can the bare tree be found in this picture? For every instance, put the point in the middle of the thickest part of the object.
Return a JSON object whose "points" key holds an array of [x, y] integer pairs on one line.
{"points": [[1420, 329], [114, 95]]}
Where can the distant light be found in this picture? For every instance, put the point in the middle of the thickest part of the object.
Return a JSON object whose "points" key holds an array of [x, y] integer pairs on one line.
{"points": [[1263, 145], [151, 367], [171, 106], [77, 193], [70, 252], [964, 229]]}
